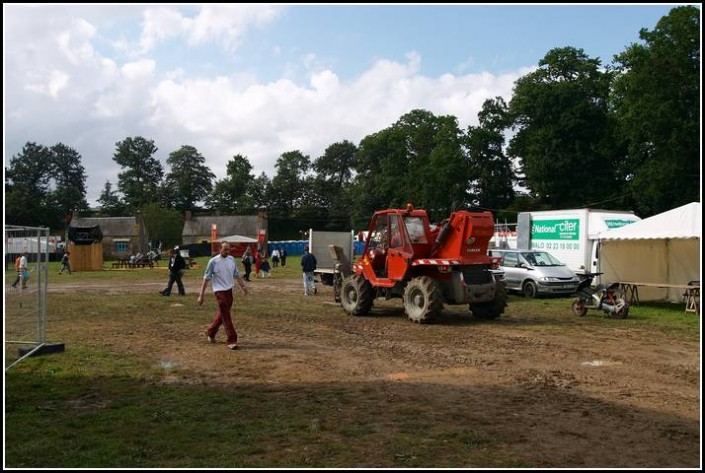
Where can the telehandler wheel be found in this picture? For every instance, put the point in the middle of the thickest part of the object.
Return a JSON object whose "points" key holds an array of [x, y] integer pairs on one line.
{"points": [[422, 299], [578, 307], [356, 295], [494, 308]]}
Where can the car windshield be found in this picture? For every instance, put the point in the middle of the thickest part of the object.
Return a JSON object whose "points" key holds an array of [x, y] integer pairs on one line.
{"points": [[540, 258]]}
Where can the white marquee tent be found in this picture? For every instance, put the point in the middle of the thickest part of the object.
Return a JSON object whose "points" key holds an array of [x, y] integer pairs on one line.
{"points": [[664, 248]]}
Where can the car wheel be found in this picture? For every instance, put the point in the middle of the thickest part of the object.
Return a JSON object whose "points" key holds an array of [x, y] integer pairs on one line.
{"points": [[530, 290]]}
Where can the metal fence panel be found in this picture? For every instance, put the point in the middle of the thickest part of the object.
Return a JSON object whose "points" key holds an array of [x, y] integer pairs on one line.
{"points": [[25, 304]]}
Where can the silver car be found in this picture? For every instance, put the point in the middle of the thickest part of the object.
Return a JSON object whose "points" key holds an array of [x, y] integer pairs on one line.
{"points": [[535, 273]]}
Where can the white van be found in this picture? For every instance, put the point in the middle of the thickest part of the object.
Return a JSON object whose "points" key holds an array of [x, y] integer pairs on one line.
{"points": [[535, 272]]}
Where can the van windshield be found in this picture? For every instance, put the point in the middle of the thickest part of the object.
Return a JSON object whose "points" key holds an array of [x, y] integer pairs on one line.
{"points": [[540, 258]]}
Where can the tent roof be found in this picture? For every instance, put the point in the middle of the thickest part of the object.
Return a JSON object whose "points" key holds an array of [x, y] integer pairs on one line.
{"points": [[237, 239], [682, 222]]}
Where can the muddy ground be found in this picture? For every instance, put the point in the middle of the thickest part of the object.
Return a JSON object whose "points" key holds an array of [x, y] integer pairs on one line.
{"points": [[557, 392]]}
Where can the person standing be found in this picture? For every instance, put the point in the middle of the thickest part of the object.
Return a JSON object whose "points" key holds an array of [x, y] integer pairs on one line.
{"points": [[282, 256], [247, 260], [308, 265], [65, 263], [222, 271], [20, 267], [258, 262], [275, 257], [177, 267]]}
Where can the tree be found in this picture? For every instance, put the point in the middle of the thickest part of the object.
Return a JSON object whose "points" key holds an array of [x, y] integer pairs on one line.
{"points": [[110, 203], [564, 140], [329, 187], [143, 173], [490, 171], [656, 98], [418, 159], [164, 225], [27, 187], [190, 180], [287, 190], [260, 191], [69, 175], [234, 193]]}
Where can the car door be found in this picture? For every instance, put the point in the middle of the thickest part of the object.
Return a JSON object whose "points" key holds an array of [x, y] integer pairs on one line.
{"points": [[513, 275]]}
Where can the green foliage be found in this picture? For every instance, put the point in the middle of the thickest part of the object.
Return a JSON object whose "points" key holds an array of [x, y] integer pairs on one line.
{"points": [[44, 185], [165, 225], [27, 186], [111, 205], [287, 191], [189, 181], [418, 159], [563, 135], [656, 98], [490, 170], [235, 194], [69, 176], [142, 175]]}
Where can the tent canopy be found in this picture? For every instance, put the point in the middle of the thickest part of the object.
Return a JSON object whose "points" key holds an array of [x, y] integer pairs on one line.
{"points": [[664, 248], [681, 222], [237, 239]]}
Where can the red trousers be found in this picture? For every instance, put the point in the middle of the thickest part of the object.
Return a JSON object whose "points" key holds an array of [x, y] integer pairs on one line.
{"points": [[222, 316]]}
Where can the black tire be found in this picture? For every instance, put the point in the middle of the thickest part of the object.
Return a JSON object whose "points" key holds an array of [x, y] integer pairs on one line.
{"points": [[623, 312], [356, 295], [422, 299], [494, 308], [578, 307], [530, 289]]}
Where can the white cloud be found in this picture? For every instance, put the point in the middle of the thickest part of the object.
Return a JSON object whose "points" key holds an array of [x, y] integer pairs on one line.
{"points": [[159, 24], [224, 25], [62, 87]]}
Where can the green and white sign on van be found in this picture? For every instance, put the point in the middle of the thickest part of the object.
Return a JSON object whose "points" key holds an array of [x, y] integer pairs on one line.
{"points": [[617, 222], [563, 229]]}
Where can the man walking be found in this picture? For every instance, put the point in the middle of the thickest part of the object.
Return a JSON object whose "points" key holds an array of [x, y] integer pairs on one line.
{"points": [[65, 264], [177, 267], [222, 271], [308, 265]]}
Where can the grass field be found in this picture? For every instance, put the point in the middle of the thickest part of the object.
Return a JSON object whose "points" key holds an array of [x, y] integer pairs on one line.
{"points": [[138, 386]]}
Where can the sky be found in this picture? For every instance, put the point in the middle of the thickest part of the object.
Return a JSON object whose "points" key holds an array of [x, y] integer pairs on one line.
{"points": [[260, 80]]}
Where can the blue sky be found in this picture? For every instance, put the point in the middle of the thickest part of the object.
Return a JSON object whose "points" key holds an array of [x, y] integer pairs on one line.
{"points": [[261, 80]]}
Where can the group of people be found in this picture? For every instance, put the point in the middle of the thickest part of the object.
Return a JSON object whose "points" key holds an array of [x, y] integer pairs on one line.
{"points": [[261, 263], [222, 273]]}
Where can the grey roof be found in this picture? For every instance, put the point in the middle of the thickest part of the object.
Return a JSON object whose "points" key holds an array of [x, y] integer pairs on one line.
{"points": [[109, 226], [246, 225]]}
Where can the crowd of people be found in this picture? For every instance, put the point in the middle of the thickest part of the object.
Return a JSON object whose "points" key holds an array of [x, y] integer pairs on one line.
{"points": [[221, 272]]}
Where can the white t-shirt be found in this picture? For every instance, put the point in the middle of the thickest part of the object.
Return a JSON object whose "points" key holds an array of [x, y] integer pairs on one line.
{"points": [[221, 272]]}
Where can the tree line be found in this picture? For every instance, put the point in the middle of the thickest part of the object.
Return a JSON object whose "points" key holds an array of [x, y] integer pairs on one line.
{"points": [[574, 134]]}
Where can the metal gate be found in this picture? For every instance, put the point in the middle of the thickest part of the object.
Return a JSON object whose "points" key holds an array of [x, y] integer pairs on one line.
{"points": [[25, 294]]}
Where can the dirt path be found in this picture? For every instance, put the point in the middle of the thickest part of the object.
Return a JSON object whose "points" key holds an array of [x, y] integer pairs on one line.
{"points": [[573, 395]]}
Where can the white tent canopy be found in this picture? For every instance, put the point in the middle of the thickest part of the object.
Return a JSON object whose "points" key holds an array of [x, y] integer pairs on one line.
{"points": [[237, 239], [664, 248]]}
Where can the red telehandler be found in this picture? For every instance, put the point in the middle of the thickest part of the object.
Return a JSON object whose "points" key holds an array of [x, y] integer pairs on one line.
{"points": [[427, 266]]}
